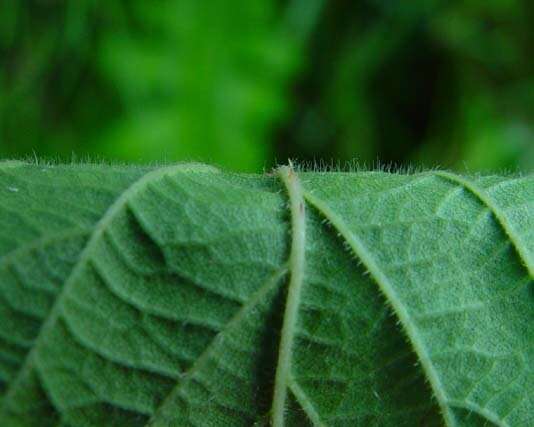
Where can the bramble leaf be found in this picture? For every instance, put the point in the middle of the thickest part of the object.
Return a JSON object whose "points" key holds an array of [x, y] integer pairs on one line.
{"points": [[183, 295]]}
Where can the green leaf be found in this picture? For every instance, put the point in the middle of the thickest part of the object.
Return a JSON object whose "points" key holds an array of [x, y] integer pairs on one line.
{"points": [[183, 295]]}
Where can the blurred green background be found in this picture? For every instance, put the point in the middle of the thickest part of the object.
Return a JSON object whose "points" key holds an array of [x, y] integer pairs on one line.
{"points": [[246, 84]]}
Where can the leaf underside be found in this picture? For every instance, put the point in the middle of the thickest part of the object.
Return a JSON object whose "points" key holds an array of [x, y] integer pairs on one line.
{"points": [[185, 296]]}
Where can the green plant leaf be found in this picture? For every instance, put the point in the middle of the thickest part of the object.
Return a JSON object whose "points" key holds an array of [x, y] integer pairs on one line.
{"points": [[183, 295]]}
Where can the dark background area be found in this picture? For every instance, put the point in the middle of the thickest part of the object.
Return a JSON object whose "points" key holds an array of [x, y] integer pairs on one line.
{"points": [[245, 84]]}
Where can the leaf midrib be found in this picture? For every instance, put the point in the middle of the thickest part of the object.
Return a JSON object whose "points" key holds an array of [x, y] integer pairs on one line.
{"points": [[296, 266]]}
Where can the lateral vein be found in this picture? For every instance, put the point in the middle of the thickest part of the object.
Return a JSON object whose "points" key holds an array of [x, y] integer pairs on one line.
{"points": [[484, 413], [305, 402], [271, 283], [41, 242], [85, 256], [387, 289], [500, 217], [296, 267]]}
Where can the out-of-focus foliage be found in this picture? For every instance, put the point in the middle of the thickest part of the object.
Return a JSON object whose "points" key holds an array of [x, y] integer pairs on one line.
{"points": [[425, 81], [242, 84]]}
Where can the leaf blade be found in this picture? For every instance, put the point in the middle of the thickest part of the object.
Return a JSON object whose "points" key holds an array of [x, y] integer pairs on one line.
{"points": [[494, 311], [175, 316]]}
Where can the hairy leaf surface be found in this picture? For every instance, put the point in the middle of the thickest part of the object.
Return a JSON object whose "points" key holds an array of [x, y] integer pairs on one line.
{"points": [[185, 296]]}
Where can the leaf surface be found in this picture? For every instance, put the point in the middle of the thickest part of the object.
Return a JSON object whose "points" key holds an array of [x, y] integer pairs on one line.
{"points": [[183, 295]]}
